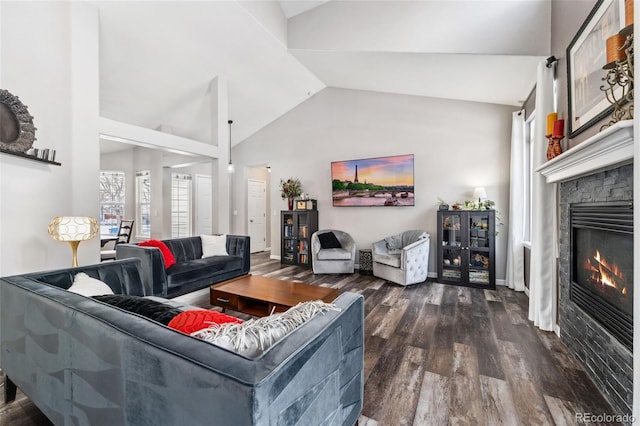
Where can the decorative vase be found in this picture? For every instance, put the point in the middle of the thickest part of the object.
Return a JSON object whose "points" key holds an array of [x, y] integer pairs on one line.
{"points": [[290, 200]]}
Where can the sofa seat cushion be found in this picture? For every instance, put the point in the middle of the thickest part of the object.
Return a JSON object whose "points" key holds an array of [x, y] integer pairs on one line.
{"points": [[387, 259], [334, 254], [198, 270]]}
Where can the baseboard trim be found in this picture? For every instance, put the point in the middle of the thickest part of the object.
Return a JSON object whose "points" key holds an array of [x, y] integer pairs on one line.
{"points": [[501, 282], [274, 257], [432, 274]]}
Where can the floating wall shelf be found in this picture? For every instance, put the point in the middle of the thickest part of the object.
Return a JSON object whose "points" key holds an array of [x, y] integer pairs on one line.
{"points": [[29, 157]]}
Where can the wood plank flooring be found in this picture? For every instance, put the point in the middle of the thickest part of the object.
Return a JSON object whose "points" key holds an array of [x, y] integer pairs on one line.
{"points": [[439, 355]]}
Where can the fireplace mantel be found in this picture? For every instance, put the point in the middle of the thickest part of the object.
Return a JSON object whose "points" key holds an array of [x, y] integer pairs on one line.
{"points": [[611, 147]]}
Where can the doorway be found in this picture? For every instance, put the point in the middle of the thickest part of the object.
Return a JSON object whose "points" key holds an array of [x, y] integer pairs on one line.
{"points": [[257, 214]]}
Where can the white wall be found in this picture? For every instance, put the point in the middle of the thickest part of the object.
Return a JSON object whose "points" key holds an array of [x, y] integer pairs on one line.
{"points": [[37, 54], [457, 146]]}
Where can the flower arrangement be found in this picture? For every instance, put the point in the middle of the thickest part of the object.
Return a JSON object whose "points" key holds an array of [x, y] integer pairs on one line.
{"points": [[290, 188]]}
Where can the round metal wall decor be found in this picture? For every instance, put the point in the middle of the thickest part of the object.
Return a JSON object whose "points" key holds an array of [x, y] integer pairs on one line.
{"points": [[17, 131]]}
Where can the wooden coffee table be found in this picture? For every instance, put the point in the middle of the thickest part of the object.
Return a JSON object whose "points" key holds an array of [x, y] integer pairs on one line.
{"points": [[261, 296]]}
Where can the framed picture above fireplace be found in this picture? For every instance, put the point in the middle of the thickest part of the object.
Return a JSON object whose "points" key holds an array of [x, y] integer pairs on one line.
{"points": [[369, 182], [586, 55]]}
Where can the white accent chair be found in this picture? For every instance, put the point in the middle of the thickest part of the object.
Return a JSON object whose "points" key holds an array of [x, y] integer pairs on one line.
{"points": [[333, 260], [402, 258]]}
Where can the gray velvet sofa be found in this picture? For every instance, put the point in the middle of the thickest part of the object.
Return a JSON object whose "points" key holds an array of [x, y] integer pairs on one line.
{"points": [[190, 272], [83, 362]]}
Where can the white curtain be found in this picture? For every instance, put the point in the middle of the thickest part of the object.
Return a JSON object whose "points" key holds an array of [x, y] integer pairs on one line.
{"points": [[515, 248], [542, 285]]}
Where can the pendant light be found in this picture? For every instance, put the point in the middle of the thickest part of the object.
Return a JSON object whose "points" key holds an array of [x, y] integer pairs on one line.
{"points": [[231, 168]]}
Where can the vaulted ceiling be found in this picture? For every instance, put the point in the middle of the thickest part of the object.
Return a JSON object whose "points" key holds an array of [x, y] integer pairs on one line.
{"points": [[157, 59]]}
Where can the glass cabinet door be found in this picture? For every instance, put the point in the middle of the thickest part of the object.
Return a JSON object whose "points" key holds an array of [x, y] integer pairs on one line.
{"points": [[452, 259], [303, 235], [479, 244], [288, 239]]}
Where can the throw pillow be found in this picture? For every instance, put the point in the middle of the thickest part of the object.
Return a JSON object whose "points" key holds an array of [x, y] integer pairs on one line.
{"points": [[87, 286], [254, 336], [151, 309], [214, 245], [328, 240], [394, 242], [167, 255], [191, 321]]}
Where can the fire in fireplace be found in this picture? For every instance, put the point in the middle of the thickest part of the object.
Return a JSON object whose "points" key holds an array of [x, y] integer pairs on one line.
{"points": [[602, 265]]}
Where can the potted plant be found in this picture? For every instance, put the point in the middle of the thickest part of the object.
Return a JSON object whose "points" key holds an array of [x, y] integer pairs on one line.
{"points": [[290, 189]]}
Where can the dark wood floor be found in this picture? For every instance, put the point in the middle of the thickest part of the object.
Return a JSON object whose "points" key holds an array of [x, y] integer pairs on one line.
{"points": [[437, 355]]}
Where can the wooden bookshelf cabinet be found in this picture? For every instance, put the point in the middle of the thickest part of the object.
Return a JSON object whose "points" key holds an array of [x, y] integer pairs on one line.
{"points": [[297, 226], [466, 248]]}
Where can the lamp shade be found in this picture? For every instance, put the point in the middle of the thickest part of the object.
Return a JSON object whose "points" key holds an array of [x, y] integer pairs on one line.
{"points": [[73, 228], [479, 193]]}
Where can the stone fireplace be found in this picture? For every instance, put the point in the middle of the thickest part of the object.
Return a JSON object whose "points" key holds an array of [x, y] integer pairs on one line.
{"points": [[595, 271]]}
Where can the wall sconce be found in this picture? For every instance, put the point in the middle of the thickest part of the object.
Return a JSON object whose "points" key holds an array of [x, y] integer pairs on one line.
{"points": [[269, 168], [230, 168], [73, 229], [479, 193]]}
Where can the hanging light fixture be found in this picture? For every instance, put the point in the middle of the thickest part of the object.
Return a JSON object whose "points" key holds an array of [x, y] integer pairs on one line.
{"points": [[231, 168]]}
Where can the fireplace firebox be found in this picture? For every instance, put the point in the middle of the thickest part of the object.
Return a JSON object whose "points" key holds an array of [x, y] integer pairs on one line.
{"points": [[602, 265]]}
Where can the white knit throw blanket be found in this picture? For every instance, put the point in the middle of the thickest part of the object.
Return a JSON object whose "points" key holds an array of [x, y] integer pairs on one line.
{"points": [[256, 335]]}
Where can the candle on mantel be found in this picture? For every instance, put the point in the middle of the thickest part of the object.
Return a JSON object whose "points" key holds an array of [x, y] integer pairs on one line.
{"points": [[558, 129], [614, 43], [551, 118]]}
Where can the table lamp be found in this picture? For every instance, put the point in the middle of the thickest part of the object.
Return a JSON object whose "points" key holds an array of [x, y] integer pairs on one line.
{"points": [[73, 229], [479, 193]]}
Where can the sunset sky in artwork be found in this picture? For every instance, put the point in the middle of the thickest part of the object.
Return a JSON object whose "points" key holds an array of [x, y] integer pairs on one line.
{"points": [[385, 171]]}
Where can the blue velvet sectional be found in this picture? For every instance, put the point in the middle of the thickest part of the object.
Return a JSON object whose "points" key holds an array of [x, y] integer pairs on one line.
{"points": [[84, 362], [190, 272]]}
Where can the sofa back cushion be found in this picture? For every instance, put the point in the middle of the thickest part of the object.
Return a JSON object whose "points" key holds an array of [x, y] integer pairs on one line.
{"points": [[185, 249], [123, 276], [410, 237]]}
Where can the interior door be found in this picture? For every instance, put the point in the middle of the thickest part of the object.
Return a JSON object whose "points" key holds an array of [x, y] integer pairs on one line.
{"points": [[204, 205], [257, 214]]}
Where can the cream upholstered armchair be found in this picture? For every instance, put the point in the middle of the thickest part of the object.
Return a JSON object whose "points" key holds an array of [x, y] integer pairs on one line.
{"points": [[402, 258], [333, 251]]}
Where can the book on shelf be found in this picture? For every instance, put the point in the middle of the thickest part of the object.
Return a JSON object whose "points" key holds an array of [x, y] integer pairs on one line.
{"points": [[303, 231]]}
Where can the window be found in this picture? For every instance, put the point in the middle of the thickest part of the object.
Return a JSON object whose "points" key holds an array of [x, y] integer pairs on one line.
{"points": [[111, 201], [143, 204], [529, 136], [180, 205]]}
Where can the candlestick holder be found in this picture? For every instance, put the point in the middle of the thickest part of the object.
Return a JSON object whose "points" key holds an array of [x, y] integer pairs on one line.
{"points": [[555, 148], [618, 87]]}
